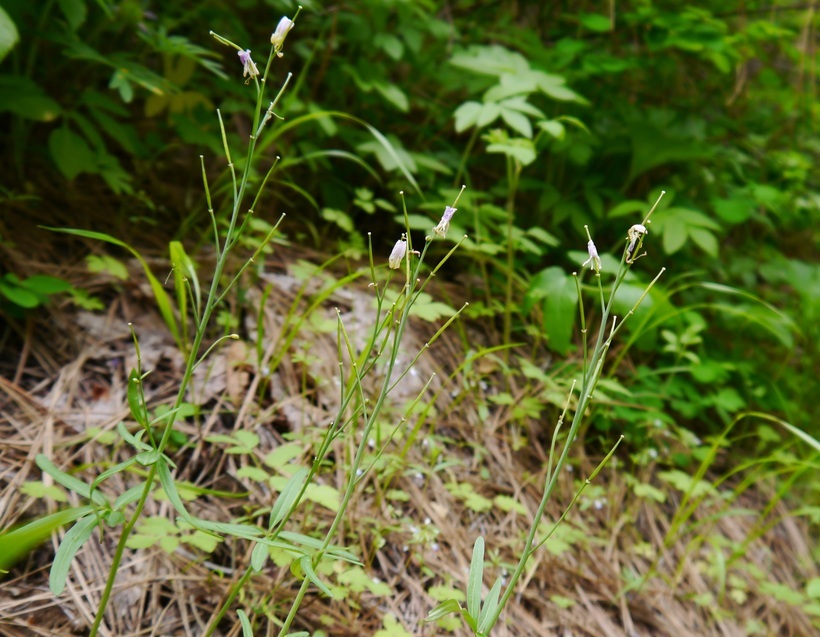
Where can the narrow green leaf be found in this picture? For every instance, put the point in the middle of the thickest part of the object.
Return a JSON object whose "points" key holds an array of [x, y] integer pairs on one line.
{"points": [[69, 482], [247, 631], [307, 568], [170, 488], [16, 544], [122, 466], [134, 396], [132, 495], [476, 578], [163, 302], [182, 262], [287, 497], [442, 610], [485, 619], [77, 536], [259, 556]]}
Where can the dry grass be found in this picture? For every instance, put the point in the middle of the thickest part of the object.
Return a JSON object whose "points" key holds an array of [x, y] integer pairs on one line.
{"points": [[49, 400]]}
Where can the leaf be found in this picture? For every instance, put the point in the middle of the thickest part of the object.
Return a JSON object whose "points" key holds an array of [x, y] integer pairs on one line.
{"points": [[72, 542], [648, 491], [306, 565], [18, 295], [287, 497], [518, 122], [674, 234], [16, 544], [705, 240], [394, 95], [45, 284], [184, 272], [134, 396], [69, 482], [160, 296], [475, 578], [71, 153], [443, 609], [247, 631], [23, 97], [595, 22], [9, 36], [74, 11], [554, 128], [485, 619], [560, 301], [170, 488]]}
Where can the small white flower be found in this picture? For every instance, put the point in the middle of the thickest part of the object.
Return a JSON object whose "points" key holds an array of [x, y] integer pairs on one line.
{"points": [[277, 38], [396, 256], [634, 235], [248, 65], [594, 260], [444, 225]]}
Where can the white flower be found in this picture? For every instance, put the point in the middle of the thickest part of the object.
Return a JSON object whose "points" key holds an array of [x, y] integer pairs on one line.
{"points": [[594, 260], [444, 225], [249, 68], [634, 235], [396, 256], [277, 39]]}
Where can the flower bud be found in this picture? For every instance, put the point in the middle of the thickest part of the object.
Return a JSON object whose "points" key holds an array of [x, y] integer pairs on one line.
{"points": [[396, 256], [594, 260], [277, 39]]}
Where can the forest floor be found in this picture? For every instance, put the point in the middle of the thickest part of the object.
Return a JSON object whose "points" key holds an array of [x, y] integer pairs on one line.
{"points": [[625, 561]]}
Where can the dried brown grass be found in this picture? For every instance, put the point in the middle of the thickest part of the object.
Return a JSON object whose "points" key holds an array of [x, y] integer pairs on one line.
{"points": [[48, 401]]}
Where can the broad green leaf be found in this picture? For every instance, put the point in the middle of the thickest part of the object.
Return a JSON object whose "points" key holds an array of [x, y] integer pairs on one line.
{"points": [[19, 296], [475, 579], [629, 207], [23, 97], [74, 11], [71, 153], [560, 299], [9, 36], [394, 95], [518, 148], [517, 121], [595, 22], [72, 542], [489, 113], [554, 128], [45, 284], [705, 240], [648, 491]]}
